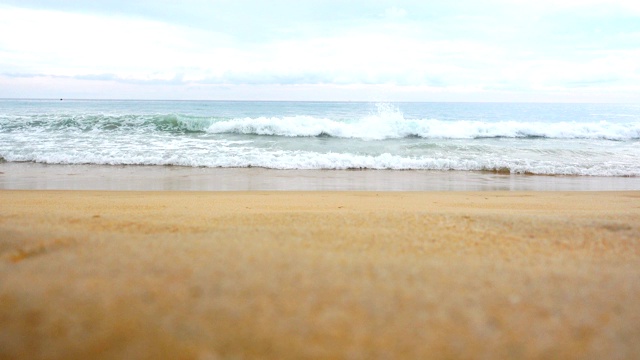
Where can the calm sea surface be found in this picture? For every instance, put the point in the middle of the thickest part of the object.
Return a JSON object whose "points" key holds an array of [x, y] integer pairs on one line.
{"points": [[545, 139]]}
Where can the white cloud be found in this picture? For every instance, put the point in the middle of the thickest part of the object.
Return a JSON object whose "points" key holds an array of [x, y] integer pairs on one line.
{"points": [[133, 49], [555, 5], [68, 44], [460, 53], [395, 13]]}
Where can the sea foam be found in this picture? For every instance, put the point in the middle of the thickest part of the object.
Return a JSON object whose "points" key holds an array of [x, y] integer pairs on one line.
{"points": [[389, 123], [223, 156]]}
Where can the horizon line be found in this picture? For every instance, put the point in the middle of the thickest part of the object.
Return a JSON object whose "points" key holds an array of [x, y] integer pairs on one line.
{"points": [[321, 101]]}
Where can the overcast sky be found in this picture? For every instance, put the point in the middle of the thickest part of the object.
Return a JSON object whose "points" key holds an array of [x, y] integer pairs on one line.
{"points": [[467, 50]]}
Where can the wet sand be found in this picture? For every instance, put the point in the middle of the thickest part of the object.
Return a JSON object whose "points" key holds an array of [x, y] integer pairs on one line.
{"points": [[289, 275], [35, 176]]}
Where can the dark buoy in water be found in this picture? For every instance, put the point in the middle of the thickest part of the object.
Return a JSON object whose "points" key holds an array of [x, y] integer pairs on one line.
{"points": [[60, 99]]}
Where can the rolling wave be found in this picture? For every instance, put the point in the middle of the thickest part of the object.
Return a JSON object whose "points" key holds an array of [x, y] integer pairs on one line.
{"points": [[84, 123], [386, 123], [379, 129]]}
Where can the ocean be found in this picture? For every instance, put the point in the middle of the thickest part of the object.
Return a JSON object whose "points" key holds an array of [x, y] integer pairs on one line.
{"points": [[598, 140]]}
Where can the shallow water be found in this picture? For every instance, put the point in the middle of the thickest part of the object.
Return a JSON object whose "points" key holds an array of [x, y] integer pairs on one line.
{"points": [[33, 176], [543, 139]]}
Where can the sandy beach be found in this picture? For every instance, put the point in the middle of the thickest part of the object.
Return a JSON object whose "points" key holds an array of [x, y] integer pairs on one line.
{"points": [[290, 275]]}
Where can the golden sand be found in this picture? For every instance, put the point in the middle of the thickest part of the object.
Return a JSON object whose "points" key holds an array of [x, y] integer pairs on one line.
{"points": [[289, 275]]}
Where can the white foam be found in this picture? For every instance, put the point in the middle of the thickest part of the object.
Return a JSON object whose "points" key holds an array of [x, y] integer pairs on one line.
{"points": [[279, 159], [392, 125]]}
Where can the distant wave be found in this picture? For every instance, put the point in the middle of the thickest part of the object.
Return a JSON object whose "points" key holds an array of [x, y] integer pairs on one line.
{"points": [[384, 124], [137, 123]]}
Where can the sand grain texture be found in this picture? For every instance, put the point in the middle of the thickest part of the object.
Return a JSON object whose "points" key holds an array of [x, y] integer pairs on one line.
{"points": [[289, 275]]}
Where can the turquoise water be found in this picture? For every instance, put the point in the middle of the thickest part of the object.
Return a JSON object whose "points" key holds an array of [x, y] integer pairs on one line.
{"points": [[551, 139]]}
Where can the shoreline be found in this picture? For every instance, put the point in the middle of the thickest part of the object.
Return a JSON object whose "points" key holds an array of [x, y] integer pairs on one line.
{"points": [[289, 275], [36, 176]]}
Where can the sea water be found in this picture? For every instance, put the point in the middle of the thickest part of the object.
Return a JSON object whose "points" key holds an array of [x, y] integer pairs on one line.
{"points": [[525, 138]]}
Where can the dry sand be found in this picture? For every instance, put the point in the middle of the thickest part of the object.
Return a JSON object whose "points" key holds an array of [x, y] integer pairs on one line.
{"points": [[291, 275]]}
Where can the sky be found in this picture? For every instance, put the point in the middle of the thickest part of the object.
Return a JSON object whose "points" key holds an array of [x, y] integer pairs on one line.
{"points": [[465, 50]]}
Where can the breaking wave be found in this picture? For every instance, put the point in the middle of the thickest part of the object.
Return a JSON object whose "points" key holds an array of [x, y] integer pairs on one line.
{"points": [[386, 123], [379, 129], [324, 136]]}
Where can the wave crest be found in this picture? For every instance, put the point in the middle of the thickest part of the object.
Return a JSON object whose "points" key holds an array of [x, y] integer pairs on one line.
{"points": [[375, 128], [100, 122], [386, 122]]}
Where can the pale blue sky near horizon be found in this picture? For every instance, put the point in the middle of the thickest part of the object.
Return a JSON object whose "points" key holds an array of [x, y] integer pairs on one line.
{"points": [[487, 50]]}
